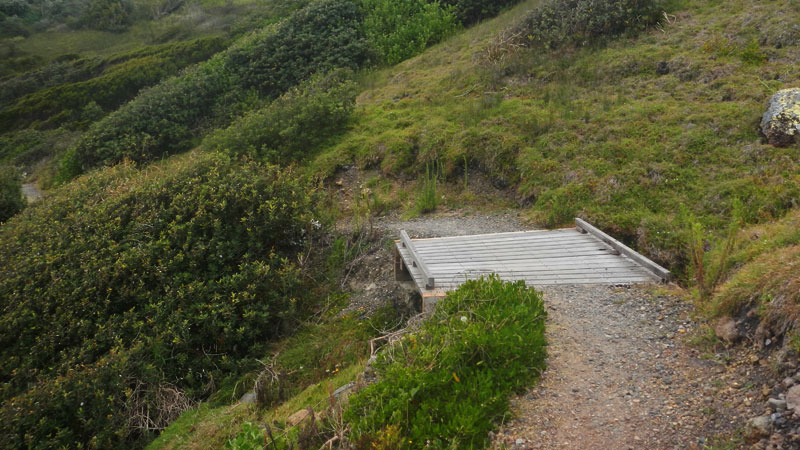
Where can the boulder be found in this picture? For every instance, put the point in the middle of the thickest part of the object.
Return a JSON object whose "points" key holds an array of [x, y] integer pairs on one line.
{"points": [[781, 122], [758, 427], [725, 329], [793, 398], [249, 397]]}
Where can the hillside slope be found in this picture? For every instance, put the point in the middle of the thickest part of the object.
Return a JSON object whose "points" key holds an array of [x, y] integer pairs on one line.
{"points": [[596, 131], [648, 131]]}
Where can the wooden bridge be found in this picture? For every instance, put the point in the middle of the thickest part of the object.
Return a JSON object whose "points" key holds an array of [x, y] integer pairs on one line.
{"points": [[581, 255]]}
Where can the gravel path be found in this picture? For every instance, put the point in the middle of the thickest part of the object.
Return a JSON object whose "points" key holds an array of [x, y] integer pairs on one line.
{"points": [[453, 225], [620, 377]]}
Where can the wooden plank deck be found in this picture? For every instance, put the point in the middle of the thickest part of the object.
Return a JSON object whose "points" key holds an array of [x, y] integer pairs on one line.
{"points": [[581, 255]]}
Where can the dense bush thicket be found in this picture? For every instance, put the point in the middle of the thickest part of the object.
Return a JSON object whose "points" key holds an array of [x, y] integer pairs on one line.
{"points": [[11, 199], [471, 11], [323, 36], [119, 80], [295, 123], [561, 22], [400, 30], [159, 121], [127, 294], [27, 148], [445, 385]]}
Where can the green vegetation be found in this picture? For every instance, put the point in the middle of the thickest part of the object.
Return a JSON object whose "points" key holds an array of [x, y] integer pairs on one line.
{"points": [[594, 131], [445, 385], [400, 30], [179, 272], [11, 199], [103, 83], [314, 362], [761, 272], [170, 283], [429, 197], [169, 117], [293, 125], [558, 23], [321, 37]]}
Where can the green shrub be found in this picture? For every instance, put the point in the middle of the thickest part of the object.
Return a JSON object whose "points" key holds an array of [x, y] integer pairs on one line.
{"points": [[11, 199], [448, 383], [292, 126], [128, 295], [117, 80], [581, 22], [160, 121], [107, 15], [320, 37], [471, 11], [402, 29]]}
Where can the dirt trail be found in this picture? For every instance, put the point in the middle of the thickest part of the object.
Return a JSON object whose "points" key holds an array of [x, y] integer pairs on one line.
{"points": [[620, 377]]}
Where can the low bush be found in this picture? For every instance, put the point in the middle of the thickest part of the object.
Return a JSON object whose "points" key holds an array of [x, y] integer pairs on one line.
{"points": [[127, 295], [578, 22], [160, 121], [293, 125], [107, 15], [400, 30], [11, 199], [446, 385]]}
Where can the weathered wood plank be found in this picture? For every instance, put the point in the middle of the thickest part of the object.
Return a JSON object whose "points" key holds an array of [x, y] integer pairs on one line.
{"points": [[533, 238], [539, 258], [661, 272], [583, 254], [437, 271], [522, 246], [416, 260], [526, 253]]}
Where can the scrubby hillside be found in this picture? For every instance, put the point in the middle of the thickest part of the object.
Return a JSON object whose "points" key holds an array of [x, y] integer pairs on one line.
{"points": [[202, 264]]}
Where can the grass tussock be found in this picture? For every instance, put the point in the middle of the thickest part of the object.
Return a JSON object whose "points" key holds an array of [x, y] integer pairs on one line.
{"points": [[763, 274]]}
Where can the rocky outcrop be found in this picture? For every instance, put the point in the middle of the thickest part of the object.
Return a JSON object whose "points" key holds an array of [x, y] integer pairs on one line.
{"points": [[781, 122]]}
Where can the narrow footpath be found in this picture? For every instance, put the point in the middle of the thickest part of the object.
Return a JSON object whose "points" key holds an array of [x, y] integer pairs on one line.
{"points": [[621, 376]]}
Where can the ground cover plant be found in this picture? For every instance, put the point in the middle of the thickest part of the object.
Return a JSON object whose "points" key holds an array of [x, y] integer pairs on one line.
{"points": [[444, 386], [128, 295]]}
